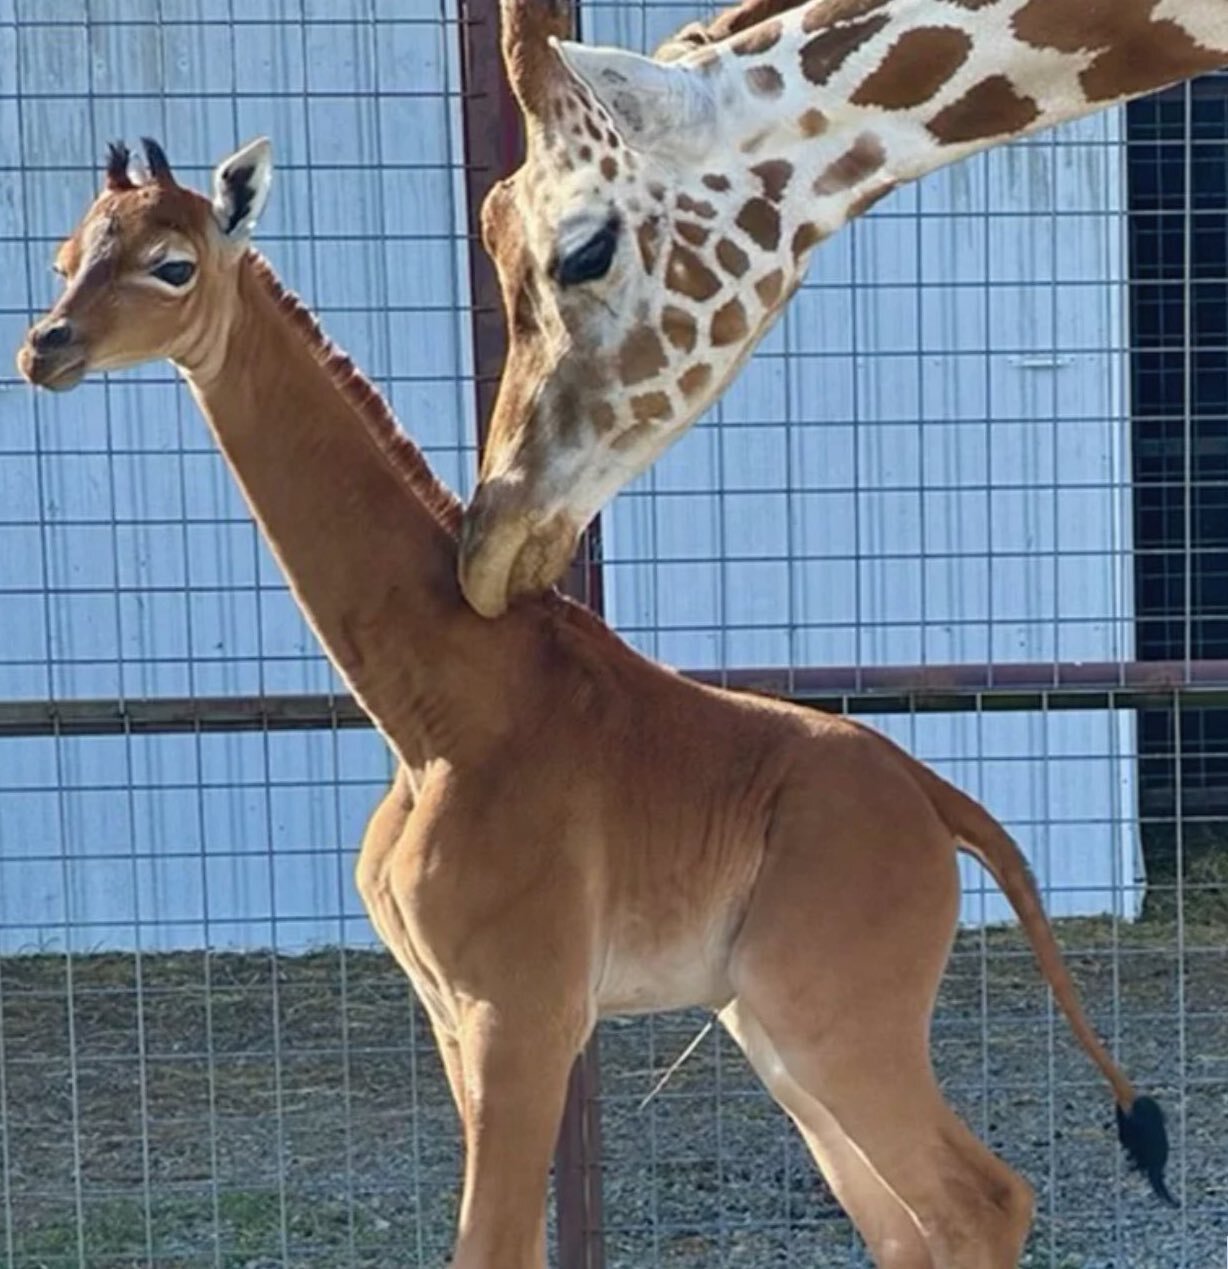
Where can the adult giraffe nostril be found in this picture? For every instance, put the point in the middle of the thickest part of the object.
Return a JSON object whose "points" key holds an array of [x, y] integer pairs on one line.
{"points": [[52, 337]]}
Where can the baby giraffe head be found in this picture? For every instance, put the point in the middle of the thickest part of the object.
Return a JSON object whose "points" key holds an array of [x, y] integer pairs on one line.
{"points": [[149, 272], [641, 255]]}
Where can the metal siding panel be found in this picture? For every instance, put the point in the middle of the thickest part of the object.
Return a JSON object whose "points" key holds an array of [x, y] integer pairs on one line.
{"points": [[121, 486]]}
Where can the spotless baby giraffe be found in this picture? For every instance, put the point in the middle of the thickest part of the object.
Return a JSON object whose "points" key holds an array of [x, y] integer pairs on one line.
{"points": [[668, 207], [573, 830]]}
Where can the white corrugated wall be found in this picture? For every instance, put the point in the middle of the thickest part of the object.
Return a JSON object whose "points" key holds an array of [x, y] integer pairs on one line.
{"points": [[928, 462]]}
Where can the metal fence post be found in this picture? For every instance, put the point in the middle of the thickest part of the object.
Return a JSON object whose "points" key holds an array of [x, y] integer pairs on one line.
{"points": [[493, 146]]}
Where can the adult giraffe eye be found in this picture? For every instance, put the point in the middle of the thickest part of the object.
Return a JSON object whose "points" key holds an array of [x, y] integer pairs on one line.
{"points": [[175, 272], [591, 261]]}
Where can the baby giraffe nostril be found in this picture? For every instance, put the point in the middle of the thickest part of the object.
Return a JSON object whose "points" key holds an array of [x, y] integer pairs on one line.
{"points": [[52, 337]]}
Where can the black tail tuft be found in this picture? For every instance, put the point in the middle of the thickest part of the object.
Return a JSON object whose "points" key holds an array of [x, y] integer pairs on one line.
{"points": [[1141, 1131]]}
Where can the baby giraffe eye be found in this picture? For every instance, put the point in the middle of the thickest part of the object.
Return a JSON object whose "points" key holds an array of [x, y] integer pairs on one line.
{"points": [[174, 272], [591, 261]]}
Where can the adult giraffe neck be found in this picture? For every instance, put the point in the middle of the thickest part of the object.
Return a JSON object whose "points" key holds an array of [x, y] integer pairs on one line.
{"points": [[935, 80]]}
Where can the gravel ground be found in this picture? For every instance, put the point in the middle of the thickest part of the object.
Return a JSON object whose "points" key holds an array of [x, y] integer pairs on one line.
{"points": [[293, 1113]]}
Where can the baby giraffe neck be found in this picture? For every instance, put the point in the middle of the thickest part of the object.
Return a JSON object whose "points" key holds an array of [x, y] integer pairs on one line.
{"points": [[359, 526]]}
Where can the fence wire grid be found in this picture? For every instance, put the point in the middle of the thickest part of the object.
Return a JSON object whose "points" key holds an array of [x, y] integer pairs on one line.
{"points": [[971, 488]]}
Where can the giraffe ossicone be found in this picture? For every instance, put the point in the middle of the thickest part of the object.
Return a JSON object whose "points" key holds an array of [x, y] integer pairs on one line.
{"points": [[668, 208]]}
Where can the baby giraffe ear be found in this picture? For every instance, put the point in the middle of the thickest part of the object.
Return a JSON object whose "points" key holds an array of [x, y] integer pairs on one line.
{"points": [[241, 189], [655, 105]]}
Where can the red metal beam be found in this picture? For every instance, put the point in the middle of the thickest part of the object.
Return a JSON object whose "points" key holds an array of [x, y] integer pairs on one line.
{"points": [[493, 147], [864, 680], [867, 689]]}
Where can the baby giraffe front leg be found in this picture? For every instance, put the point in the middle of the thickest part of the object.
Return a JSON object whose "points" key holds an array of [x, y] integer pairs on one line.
{"points": [[516, 1068]]}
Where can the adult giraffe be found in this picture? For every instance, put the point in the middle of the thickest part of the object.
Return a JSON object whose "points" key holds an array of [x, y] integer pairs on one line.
{"points": [[573, 830], [668, 208]]}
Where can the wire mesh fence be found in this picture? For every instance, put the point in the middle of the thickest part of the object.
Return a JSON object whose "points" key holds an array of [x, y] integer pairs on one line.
{"points": [[970, 489]]}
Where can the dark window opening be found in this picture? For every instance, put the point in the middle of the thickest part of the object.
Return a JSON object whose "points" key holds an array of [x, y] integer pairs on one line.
{"points": [[1177, 159]]}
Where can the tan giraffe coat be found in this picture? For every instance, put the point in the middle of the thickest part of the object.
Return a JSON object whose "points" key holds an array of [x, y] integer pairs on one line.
{"points": [[575, 831], [668, 208]]}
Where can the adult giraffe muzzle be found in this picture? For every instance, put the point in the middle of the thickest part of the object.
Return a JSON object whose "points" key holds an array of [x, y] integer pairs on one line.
{"points": [[668, 207]]}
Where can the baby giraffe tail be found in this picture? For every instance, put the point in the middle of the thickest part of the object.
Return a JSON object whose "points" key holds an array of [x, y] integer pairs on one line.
{"points": [[1140, 1121]]}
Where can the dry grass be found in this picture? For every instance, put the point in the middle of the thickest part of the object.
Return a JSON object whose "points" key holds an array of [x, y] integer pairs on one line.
{"points": [[250, 1112]]}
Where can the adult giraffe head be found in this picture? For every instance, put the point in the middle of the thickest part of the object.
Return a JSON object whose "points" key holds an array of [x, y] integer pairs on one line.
{"points": [[668, 206]]}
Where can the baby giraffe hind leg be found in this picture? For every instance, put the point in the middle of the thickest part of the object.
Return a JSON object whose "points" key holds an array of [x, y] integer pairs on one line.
{"points": [[884, 1223], [838, 961], [875, 1084]]}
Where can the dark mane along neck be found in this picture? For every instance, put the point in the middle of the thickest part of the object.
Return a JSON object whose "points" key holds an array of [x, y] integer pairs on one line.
{"points": [[730, 21], [374, 412], [404, 456]]}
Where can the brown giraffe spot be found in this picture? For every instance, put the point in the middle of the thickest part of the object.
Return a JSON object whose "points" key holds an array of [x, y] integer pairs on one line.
{"points": [[641, 357], [742, 16], [632, 437], [696, 235], [688, 275], [755, 140], [612, 140], [775, 175], [718, 183], [758, 39], [652, 405], [1083, 28], [992, 109], [586, 153], [648, 235], [1169, 54], [603, 416], [694, 380], [657, 191], [703, 209], [761, 221], [609, 168], [812, 123], [558, 110], [915, 68], [729, 324], [972, 4], [863, 202], [769, 287], [731, 257], [765, 81], [827, 12], [592, 127], [823, 56], [679, 327], [807, 236], [863, 158], [1137, 52]]}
